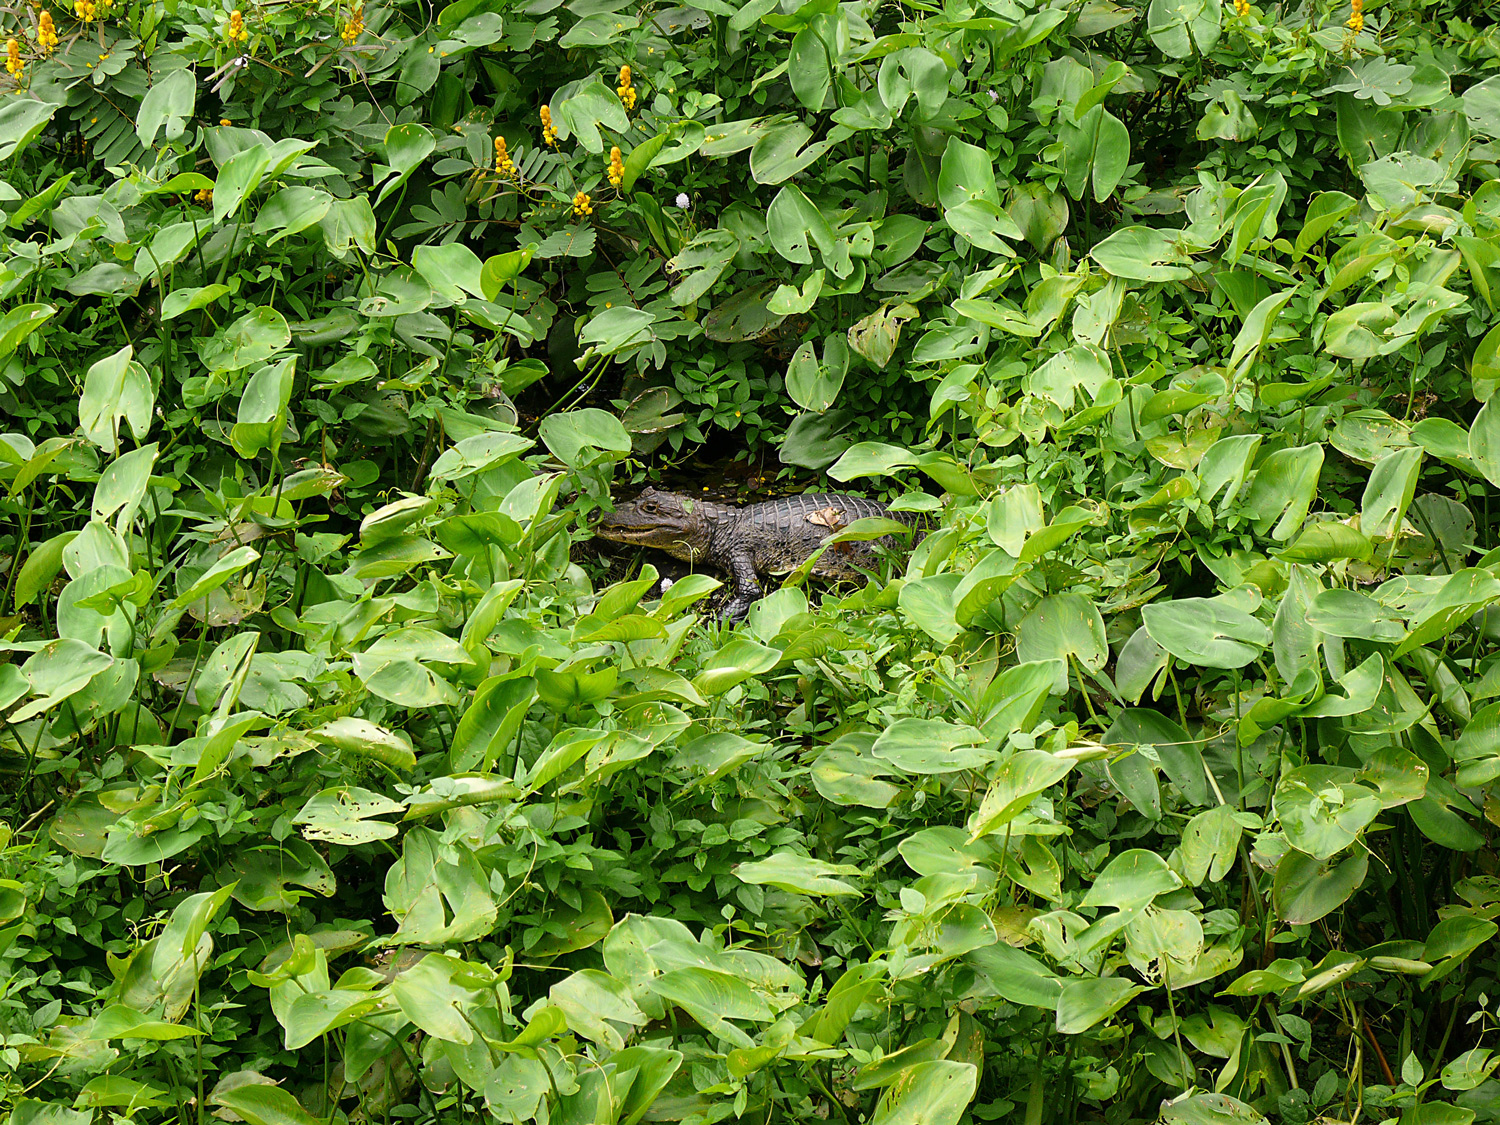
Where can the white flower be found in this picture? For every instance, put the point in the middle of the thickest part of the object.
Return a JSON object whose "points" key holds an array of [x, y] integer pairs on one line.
{"points": [[683, 202], [994, 97]]}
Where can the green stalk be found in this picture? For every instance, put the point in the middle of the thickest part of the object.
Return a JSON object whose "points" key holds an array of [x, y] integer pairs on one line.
{"points": [[23, 537]]}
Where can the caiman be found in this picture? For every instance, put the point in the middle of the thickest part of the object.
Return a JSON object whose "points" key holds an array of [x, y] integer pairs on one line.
{"points": [[772, 537]]}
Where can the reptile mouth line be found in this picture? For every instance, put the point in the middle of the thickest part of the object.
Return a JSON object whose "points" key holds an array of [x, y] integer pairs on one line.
{"points": [[623, 534]]}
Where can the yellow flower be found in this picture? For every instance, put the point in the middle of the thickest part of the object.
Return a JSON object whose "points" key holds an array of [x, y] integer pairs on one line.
{"points": [[1356, 22], [204, 196], [236, 32], [616, 167], [549, 134], [625, 89], [355, 25], [503, 163], [13, 61], [46, 32], [582, 205], [85, 10], [1242, 8]]}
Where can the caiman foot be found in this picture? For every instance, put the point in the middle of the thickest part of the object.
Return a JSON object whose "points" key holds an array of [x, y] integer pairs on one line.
{"points": [[733, 612]]}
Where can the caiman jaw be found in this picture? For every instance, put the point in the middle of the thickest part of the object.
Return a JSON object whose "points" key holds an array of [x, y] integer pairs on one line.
{"points": [[659, 535]]}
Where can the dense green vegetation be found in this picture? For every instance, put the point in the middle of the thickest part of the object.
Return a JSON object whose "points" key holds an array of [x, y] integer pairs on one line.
{"points": [[1157, 781]]}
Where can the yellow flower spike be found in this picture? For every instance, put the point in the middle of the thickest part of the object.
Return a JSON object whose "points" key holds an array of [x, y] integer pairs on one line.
{"points": [[86, 10], [13, 61], [204, 196], [582, 204], [1242, 8], [616, 167], [354, 27], [46, 32], [504, 165], [236, 32], [549, 134], [625, 89], [1356, 22]]}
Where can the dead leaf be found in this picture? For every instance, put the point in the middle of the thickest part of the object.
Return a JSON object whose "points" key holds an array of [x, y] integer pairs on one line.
{"points": [[831, 518]]}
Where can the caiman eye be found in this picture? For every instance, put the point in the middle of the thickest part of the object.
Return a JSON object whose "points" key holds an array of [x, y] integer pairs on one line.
{"points": [[649, 507]]}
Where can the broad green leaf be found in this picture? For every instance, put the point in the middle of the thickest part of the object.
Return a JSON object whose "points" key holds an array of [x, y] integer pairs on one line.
{"points": [[238, 178], [220, 572], [432, 997], [120, 1022], [1064, 627], [1132, 879], [1206, 631], [1017, 783], [808, 69], [346, 816], [799, 874], [1322, 810], [314, 1014], [40, 568], [1306, 889], [591, 1002], [264, 1105], [122, 486], [934, 1092], [1143, 254], [929, 603], [406, 147], [930, 746], [966, 173], [19, 323], [478, 453], [847, 778], [1348, 613], [713, 998], [733, 664], [502, 270], [1210, 845], [1178, 27], [1484, 441], [815, 385], [580, 436], [292, 210], [1211, 1109], [1328, 541], [1087, 1001], [181, 301], [249, 341], [115, 389], [359, 736], [1257, 329], [1284, 487], [1179, 755], [263, 411]]}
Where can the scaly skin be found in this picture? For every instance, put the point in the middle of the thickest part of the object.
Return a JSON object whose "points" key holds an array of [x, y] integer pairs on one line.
{"points": [[772, 537]]}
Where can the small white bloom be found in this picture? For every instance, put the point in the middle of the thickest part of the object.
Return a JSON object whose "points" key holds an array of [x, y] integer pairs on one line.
{"points": [[994, 97], [683, 202]]}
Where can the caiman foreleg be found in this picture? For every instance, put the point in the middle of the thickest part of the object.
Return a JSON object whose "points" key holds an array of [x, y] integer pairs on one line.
{"points": [[747, 590]]}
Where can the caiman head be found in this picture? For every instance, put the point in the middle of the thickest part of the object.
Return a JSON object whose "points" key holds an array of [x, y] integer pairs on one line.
{"points": [[679, 525]]}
